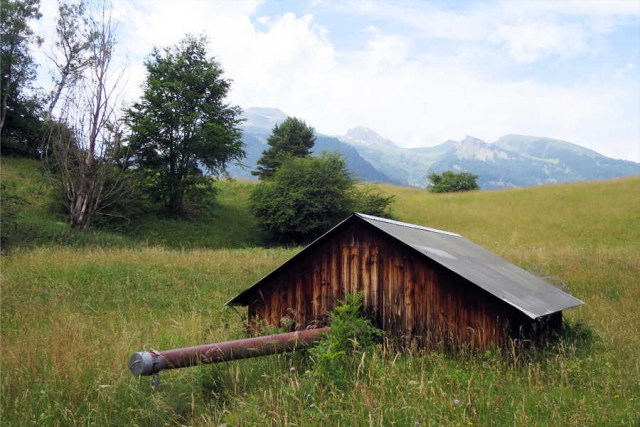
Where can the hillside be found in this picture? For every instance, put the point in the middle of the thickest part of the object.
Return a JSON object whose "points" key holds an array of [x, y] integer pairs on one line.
{"points": [[71, 314], [31, 216]]}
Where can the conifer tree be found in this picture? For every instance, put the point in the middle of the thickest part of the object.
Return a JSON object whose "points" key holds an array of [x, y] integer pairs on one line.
{"points": [[292, 138]]}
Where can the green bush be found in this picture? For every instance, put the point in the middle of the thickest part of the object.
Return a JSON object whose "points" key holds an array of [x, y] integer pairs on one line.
{"points": [[449, 182], [307, 196], [371, 200]]}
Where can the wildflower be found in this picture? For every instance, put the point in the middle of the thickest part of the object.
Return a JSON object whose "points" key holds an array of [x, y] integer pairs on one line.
{"points": [[431, 382], [312, 406], [616, 396], [292, 369], [456, 401], [416, 423]]}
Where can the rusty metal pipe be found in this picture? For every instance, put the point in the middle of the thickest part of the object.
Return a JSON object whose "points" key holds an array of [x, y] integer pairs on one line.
{"points": [[151, 362]]}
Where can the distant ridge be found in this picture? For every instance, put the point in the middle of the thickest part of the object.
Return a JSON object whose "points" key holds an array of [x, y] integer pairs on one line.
{"points": [[511, 161], [258, 125]]}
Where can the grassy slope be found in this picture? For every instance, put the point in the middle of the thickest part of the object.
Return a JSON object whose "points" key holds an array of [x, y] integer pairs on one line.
{"points": [[231, 225], [72, 315]]}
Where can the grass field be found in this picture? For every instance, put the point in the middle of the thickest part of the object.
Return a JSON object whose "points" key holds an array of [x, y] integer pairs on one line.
{"points": [[75, 306]]}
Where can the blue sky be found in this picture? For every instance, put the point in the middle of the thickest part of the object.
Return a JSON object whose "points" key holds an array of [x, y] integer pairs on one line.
{"points": [[417, 72]]}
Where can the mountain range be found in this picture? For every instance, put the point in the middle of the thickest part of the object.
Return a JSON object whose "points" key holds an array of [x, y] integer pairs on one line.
{"points": [[511, 161]]}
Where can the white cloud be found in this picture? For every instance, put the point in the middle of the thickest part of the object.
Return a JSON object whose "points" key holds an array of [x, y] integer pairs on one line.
{"points": [[531, 30], [530, 42], [291, 62]]}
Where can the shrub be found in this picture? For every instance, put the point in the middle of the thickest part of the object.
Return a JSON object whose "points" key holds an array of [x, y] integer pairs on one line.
{"points": [[449, 182], [307, 196], [338, 355]]}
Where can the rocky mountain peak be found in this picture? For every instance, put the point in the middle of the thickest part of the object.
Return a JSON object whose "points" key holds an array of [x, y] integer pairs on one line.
{"points": [[364, 136], [470, 140]]}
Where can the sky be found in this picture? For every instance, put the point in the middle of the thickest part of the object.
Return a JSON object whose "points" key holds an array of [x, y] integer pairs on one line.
{"points": [[416, 72]]}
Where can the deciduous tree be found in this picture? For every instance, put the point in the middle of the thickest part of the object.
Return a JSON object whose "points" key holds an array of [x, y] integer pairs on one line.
{"points": [[182, 127], [19, 105]]}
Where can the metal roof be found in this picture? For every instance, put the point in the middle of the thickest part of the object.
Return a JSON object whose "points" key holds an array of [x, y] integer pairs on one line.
{"points": [[506, 281]]}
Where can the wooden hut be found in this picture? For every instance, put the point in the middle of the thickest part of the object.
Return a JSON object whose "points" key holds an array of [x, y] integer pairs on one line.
{"points": [[418, 283]]}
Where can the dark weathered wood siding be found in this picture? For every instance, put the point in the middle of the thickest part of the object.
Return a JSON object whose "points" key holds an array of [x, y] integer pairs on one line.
{"points": [[409, 296]]}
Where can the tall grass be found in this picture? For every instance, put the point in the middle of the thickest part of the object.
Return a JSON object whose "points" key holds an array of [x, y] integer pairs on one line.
{"points": [[72, 315]]}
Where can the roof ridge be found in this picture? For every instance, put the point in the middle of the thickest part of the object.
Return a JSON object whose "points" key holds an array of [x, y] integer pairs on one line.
{"points": [[405, 224]]}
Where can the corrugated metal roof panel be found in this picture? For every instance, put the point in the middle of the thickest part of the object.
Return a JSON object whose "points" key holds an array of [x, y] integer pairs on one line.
{"points": [[512, 284]]}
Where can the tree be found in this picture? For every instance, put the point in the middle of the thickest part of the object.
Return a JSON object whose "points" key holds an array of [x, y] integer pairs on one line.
{"points": [[19, 105], [86, 139], [448, 182], [181, 127], [71, 54], [291, 138], [307, 196]]}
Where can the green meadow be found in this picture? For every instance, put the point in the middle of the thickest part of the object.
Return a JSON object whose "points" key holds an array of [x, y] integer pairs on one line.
{"points": [[75, 306]]}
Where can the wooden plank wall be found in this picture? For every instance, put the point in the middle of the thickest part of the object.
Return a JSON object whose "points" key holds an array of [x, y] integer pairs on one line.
{"points": [[408, 295]]}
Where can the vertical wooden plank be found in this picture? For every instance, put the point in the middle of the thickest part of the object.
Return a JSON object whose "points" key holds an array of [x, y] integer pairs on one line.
{"points": [[375, 283], [426, 298], [325, 281], [400, 294], [336, 275], [440, 293], [382, 287], [409, 294], [397, 288], [365, 275], [388, 288], [354, 269], [456, 322], [418, 298], [346, 286], [317, 289]]}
